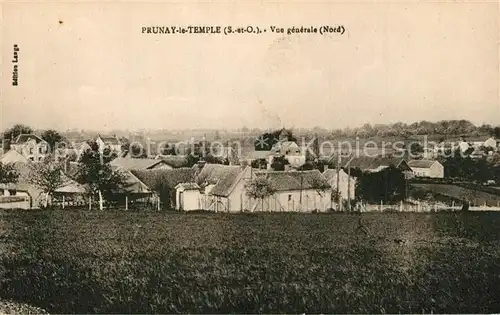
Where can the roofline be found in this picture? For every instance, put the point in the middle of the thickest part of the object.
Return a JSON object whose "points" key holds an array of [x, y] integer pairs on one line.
{"points": [[233, 186]]}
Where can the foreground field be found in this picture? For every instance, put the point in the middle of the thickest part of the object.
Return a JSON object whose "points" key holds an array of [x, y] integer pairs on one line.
{"points": [[119, 262]]}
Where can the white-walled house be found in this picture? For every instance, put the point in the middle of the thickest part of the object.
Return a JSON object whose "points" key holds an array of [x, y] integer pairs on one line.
{"points": [[300, 191], [427, 168], [31, 146], [187, 197], [109, 142], [344, 183], [223, 187]]}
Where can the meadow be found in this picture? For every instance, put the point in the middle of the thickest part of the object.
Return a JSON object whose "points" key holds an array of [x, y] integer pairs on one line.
{"points": [[164, 262]]}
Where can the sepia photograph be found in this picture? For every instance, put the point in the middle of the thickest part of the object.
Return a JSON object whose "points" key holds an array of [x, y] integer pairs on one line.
{"points": [[257, 157]]}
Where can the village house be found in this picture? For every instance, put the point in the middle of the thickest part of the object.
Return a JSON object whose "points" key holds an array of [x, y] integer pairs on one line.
{"points": [[485, 141], [139, 164], [112, 143], [302, 191], [347, 186], [373, 164], [292, 152], [30, 146], [164, 182], [223, 187], [427, 168]]}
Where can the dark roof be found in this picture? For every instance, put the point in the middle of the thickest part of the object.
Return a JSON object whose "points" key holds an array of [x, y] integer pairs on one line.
{"points": [[421, 163], [169, 178], [23, 138], [296, 180], [369, 163], [135, 164], [224, 177], [175, 161]]}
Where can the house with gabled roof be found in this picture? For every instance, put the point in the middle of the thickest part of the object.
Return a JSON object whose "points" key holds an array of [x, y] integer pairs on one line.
{"points": [[223, 187], [111, 142], [12, 156], [164, 182], [139, 164], [300, 191], [31, 146], [427, 168]]}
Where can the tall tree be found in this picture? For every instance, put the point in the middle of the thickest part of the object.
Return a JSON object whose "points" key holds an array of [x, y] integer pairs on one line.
{"points": [[95, 171], [259, 188], [47, 176], [387, 185], [53, 138], [13, 132]]}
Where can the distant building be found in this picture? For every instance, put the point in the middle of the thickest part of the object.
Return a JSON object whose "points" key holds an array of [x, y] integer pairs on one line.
{"points": [[427, 168], [30, 146], [139, 164], [487, 142], [112, 143], [291, 151]]}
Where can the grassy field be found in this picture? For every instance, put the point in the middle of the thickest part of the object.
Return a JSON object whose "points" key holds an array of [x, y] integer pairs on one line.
{"points": [[117, 262], [477, 197]]}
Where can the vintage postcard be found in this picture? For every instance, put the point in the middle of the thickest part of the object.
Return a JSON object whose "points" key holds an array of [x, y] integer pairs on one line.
{"points": [[249, 157]]}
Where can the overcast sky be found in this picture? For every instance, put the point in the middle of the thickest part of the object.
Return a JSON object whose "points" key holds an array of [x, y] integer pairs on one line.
{"points": [[396, 62]]}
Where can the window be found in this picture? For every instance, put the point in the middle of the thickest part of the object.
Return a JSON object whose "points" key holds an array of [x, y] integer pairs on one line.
{"points": [[31, 150], [39, 158], [12, 192], [39, 149], [289, 197], [32, 158]]}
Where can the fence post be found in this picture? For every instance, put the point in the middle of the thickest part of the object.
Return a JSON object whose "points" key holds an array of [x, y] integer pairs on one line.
{"points": [[126, 202], [63, 202]]}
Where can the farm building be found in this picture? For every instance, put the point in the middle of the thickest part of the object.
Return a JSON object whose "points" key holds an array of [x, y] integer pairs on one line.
{"points": [[223, 187], [347, 186], [295, 191], [139, 164], [373, 164], [187, 197], [164, 181], [21, 194], [427, 168]]}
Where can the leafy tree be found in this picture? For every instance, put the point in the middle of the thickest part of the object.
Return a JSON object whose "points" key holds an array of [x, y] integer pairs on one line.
{"points": [[47, 176], [278, 163], [496, 132], [13, 132], [8, 174], [259, 163], [125, 144], [387, 185], [53, 138], [259, 188], [95, 171], [138, 151]]}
